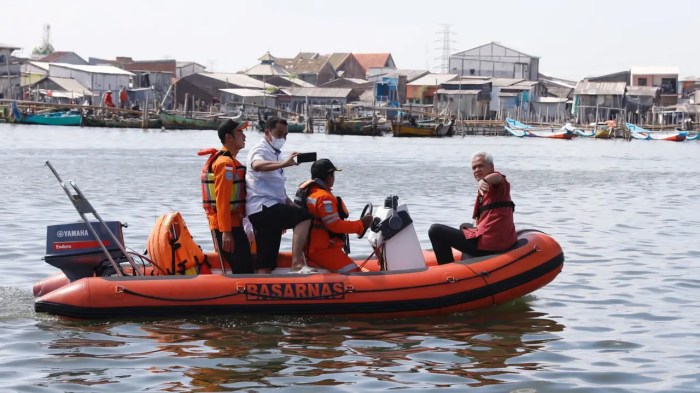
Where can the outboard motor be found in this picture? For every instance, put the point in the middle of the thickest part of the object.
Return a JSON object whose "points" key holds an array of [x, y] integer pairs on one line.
{"points": [[393, 234], [73, 249]]}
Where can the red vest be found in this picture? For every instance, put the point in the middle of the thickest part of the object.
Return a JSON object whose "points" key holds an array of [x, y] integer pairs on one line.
{"points": [[494, 227]]}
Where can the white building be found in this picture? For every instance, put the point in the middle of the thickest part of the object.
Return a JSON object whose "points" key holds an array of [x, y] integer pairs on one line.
{"points": [[496, 61]]}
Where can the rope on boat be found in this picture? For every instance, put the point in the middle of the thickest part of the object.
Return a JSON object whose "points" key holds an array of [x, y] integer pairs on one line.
{"points": [[201, 299]]}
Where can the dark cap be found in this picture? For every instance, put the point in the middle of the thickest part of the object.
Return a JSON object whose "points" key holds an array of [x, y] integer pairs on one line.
{"points": [[320, 169], [227, 126]]}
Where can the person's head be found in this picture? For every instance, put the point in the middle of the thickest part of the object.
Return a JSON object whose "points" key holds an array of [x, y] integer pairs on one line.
{"points": [[231, 134], [324, 170], [482, 164], [276, 132]]}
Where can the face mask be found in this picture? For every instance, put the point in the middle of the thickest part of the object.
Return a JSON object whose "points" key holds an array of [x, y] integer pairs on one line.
{"points": [[277, 143]]}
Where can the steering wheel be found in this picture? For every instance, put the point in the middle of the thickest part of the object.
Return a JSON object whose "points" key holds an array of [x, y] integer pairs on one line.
{"points": [[367, 211]]}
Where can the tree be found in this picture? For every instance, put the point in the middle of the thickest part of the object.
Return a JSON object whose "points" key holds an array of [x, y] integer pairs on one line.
{"points": [[45, 48]]}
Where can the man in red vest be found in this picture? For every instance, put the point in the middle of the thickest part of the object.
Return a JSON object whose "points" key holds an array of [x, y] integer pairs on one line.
{"points": [[493, 212]]}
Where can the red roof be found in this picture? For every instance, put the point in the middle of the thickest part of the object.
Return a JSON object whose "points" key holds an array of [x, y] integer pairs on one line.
{"points": [[368, 60]]}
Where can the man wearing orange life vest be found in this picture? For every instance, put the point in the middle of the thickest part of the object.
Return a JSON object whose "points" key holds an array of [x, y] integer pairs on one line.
{"points": [[328, 234], [223, 198], [493, 212]]}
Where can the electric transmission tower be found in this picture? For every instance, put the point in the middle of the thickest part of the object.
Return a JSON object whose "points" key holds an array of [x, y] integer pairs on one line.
{"points": [[445, 50]]}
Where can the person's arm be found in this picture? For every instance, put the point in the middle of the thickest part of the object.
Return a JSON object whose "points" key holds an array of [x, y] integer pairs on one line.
{"points": [[327, 207], [491, 180], [261, 165]]}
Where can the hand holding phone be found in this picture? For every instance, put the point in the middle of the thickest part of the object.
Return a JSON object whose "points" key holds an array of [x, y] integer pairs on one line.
{"points": [[306, 157]]}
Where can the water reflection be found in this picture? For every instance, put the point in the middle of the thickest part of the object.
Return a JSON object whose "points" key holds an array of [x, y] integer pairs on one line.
{"points": [[221, 353]]}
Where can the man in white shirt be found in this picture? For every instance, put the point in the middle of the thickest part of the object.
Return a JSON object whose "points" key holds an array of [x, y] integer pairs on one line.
{"points": [[268, 207]]}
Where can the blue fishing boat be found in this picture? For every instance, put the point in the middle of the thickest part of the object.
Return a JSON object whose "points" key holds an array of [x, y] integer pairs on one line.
{"points": [[63, 118]]}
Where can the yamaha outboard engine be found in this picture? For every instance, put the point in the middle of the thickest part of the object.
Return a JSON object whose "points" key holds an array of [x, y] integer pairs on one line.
{"points": [[73, 249]]}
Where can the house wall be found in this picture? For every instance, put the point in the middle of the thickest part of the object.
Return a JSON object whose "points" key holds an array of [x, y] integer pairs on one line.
{"points": [[192, 68], [465, 106], [297, 102]]}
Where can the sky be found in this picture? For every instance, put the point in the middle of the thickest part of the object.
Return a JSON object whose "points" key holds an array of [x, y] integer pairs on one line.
{"points": [[573, 39]]}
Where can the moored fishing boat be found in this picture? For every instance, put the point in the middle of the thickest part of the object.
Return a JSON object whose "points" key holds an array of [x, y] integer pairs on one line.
{"points": [[521, 130], [61, 118], [171, 121], [102, 279], [90, 121], [343, 126], [423, 128], [641, 133]]}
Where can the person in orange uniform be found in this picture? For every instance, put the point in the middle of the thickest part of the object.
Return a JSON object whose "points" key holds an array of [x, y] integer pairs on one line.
{"points": [[107, 100], [493, 212], [223, 197], [123, 98], [329, 228]]}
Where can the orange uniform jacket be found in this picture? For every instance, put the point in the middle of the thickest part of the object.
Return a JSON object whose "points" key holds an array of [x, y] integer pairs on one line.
{"points": [[324, 207], [224, 219]]}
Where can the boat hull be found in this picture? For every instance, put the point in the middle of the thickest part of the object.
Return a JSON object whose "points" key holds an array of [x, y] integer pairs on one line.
{"points": [[464, 285], [53, 120], [120, 123], [353, 127], [178, 122]]}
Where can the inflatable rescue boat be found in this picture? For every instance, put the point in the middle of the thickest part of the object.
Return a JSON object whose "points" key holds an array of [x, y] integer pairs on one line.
{"points": [[100, 279]]}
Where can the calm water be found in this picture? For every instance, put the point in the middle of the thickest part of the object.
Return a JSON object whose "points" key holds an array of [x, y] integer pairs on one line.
{"points": [[623, 316]]}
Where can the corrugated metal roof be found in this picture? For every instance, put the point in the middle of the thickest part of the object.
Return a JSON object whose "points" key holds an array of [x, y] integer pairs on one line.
{"points": [[329, 92], [39, 64], [433, 79], [459, 92], [101, 69], [600, 88], [469, 81], [71, 85], [644, 91], [646, 70], [247, 92], [241, 80], [267, 70], [525, 83], [298, 82], [8, 46], [502, 82], [337, 59]]}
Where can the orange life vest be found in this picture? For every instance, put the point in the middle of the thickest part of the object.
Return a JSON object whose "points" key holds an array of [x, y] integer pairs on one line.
{"points": [[171, 247], [238, 191]]}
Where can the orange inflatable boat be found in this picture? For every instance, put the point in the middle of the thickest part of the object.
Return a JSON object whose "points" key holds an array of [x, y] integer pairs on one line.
{"points": [[464, 285], [101, 279]]}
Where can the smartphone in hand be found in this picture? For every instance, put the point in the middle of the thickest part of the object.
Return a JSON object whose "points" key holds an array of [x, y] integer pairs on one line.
{"points": [[306, 157]]}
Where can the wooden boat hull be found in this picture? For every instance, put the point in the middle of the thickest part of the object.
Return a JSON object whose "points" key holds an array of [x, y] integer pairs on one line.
{"points": [[464, 285], [353, 127], [53, 119], [178, 122], [120, 123], [603, 134], [431, 130], [552, 134], [293, 128]]}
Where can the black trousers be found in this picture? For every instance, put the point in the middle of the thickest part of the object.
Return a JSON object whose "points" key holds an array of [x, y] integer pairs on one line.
{"points": [[268, 225], [240, 260], [444, 239]]}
